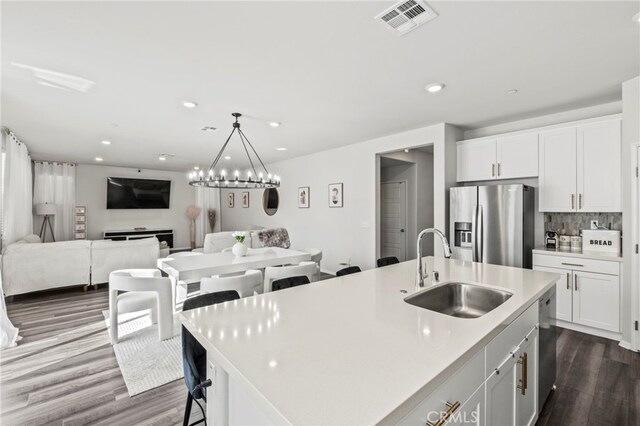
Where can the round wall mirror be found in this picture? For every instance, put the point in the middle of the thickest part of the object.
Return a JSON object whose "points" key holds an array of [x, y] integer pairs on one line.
{"points": [[270, 201]]}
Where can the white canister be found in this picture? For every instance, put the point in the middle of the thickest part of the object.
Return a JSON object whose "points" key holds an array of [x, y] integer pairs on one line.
{"points": [[565, 242], [601, 240], [576, 243]]}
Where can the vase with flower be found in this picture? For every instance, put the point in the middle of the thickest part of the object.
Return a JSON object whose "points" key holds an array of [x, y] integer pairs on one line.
{"points": [[239, 248]]}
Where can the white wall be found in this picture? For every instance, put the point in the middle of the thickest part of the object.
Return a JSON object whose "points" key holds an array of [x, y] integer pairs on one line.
{"points": [[91, 191], [349, 232], [630, 135]]}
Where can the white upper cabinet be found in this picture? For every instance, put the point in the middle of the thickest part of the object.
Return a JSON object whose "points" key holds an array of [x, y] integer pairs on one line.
{"points": [[517, 156], [599, 182], [557, 169], [500, 158], [476, 160]]}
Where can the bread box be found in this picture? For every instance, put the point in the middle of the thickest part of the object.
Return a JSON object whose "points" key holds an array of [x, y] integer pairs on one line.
{"points": [[601, 240]]}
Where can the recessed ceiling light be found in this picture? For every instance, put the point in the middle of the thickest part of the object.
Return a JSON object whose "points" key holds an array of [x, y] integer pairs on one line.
{"points": [[189, 104], [434, 87], [98, 159], [106, 142], [209, 129], [196, 168], [406, 150], [227, 157], [162, 158], [274, 124], [512, 91], [281, 149], [636, 17]]}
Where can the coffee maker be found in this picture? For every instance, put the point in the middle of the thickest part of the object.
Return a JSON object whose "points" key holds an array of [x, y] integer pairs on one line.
{"points": [[551, 240]]}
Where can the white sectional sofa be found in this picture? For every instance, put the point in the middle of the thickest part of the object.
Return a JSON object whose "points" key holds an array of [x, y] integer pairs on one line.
{"points": [[28, 267]]}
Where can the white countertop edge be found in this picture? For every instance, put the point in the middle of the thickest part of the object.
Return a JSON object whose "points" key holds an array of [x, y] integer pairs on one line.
{"points": [[412, 402], [403, 409], [610, 257], [234, 374]]}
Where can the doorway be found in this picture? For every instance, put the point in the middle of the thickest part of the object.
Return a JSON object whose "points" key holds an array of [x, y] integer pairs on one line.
{"points": [[393, 219], [405, 173]]}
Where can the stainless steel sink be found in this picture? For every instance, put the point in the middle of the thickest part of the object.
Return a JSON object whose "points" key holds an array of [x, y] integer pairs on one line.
{"points": [[459, 299]]}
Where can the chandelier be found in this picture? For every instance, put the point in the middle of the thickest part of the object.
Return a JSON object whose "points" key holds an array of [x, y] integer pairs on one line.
{"points": [[254, 179]]}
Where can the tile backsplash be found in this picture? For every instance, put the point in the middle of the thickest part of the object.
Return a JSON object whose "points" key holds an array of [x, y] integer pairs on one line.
{"points": [[573, 223]]}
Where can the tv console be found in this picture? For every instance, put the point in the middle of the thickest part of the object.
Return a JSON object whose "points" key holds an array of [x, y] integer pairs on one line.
{"points": [[161, 234]]}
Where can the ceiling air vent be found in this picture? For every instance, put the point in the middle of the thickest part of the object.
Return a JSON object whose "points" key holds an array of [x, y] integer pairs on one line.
{"points": [[406, 16]]}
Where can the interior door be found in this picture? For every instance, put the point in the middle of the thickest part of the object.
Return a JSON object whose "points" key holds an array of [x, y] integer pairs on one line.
{"points": [[598, 168], [596, 300], [564, 293], [557, 169], [393, 212]]}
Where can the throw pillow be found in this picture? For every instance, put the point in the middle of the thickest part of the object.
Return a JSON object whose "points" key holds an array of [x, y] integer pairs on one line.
{"points": [[276, 237]]}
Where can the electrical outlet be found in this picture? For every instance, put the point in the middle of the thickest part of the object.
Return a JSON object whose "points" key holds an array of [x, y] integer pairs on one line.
{"points": [[594, 224]]}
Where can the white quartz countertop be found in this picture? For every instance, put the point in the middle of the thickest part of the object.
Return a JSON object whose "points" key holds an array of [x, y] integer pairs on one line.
{"points": [[349, 350], [596, 255]]}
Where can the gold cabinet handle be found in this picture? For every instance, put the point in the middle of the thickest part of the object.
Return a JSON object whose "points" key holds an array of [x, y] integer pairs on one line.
{"points": [[575, 281], [442, 420], [573, 201], [522, 383], [568, 285], [493, 169]]}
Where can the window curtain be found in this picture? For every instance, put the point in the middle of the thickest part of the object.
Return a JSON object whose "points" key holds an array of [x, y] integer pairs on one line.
{"points": [[17, 219], [8, 333], [55, 183], [206, 198]]}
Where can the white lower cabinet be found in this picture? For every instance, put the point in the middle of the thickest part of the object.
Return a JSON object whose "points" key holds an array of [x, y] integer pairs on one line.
{"points": [[498, 386], [588, 294]]}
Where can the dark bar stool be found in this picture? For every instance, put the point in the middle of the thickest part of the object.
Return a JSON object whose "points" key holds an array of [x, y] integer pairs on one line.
{"points": [[289, 282], [386, 261], [194, 356], [348, 270]]}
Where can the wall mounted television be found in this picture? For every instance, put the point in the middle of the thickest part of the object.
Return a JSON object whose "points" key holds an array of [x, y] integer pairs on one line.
{"points": [[129, 193]]}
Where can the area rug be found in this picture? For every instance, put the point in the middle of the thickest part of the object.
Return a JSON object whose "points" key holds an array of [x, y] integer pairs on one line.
{"points": [[146, 362]]}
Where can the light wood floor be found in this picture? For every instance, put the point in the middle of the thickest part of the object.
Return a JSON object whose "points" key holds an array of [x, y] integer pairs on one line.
{"points": [[64, 372]]}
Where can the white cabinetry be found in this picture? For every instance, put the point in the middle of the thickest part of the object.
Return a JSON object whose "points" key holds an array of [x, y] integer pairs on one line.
{"points": [[579, 168], [587, 295], [498, 158], [505, 395]]}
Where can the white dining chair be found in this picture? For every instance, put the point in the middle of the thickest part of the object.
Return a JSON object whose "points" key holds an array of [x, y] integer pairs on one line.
{"points": [[246, 284], [316, 256], [271, 273], [133, 290]]}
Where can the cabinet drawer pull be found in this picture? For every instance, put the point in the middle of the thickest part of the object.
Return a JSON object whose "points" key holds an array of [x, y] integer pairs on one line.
{"points": [[493, 170], [568, 285], [575, 281], [579, 201], [498, 169], [573, 201], [442, 420], [572, 264], [522, 385]]}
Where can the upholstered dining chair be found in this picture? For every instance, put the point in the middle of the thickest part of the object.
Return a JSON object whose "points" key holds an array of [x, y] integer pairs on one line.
{"points": [[181, 291], [272, 273], [386, 261], [194, 356], [289, 282], [245, 285], [348, 270], [133, 290], [316, 256]]}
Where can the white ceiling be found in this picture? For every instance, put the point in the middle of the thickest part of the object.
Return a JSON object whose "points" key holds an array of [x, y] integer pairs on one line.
{"points": [[329, 72]]}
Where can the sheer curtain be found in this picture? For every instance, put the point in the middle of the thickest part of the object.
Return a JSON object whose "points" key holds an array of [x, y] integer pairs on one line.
{"points": [[55, 183], [17, 219], [206, 198]]}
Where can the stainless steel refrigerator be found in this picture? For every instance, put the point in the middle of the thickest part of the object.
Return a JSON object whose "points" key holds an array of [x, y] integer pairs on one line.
{"points": [[492, 224]]}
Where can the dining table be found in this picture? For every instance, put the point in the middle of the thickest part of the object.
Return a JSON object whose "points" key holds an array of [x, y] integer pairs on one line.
{"points": [[190, 269]]}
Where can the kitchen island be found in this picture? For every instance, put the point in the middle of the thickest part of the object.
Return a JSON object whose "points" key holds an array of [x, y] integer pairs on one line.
{"points": [[350, 350]]}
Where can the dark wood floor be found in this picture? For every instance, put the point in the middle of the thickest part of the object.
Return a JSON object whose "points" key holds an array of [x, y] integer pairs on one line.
{"points": [[64, 372], [598, 383]]}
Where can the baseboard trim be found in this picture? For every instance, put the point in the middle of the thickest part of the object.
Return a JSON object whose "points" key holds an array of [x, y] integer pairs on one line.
{"points": [[590, 330], [624, 344]]}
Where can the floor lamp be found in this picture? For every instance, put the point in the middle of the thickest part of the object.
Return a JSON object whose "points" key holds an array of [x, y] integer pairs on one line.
{"points": [[47, 210]]}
